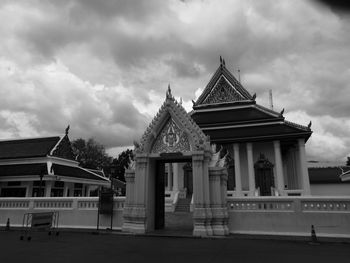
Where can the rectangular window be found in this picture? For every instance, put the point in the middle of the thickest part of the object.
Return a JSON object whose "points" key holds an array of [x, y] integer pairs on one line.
{"points": [[13, 192], [38, 191], [13, 183], [59, 184], [57, 189], [37, 183], [78, 189]]}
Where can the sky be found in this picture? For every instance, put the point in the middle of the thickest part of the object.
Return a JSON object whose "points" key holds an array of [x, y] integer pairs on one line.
{"points": [[103, 67]]}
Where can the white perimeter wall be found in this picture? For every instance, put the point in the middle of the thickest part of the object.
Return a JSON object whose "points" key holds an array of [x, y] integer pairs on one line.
{"points": [[341, 189], [290, 215], [74, 212], [247, 215]]}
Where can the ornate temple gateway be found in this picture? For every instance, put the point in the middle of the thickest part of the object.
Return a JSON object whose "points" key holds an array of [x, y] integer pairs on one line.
{"points": [[228, 146]]}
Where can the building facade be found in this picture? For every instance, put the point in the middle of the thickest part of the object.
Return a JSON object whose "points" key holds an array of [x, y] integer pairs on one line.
{"points": [[45, 167]]}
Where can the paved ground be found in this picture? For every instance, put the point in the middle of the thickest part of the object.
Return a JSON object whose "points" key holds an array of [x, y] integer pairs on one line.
{"points": [[86, 247]]}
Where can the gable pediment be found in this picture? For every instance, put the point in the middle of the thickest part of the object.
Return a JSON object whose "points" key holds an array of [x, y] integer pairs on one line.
{"points": [[223, 87], [223, 91], [171, 139], [172, 130]]}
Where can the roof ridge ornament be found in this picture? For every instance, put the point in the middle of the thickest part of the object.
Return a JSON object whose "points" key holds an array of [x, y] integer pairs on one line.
{"points": [[222, 61], [169, 96], [309, 125], [67, 129]]}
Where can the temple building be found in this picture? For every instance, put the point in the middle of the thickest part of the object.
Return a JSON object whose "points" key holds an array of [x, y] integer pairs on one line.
{"points": [[265, 153], [45, 167]]}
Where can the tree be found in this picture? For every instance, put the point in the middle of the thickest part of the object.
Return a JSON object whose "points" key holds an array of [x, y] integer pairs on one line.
{"points": [[91, 154], [119, 164]]}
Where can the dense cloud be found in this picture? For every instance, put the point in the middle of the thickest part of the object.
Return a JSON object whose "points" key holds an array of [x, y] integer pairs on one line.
{"points": [[103, 66]]}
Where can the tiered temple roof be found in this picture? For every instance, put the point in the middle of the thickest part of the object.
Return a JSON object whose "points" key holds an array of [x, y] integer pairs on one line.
{"points": [[29, 157], [227, 112]]}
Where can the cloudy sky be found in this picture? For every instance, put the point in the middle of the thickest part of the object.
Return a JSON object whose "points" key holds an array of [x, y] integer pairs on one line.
{"points": [[103, 66]]}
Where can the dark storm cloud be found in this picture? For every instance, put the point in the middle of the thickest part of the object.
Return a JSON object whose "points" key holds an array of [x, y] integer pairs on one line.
{"points": [[184, 68], [133, 49], [339, 6]]}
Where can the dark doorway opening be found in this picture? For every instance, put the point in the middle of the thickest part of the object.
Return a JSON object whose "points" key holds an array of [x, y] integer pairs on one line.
{"points": [[173, 220], [264, 179], [188, 179], [160, 196]]}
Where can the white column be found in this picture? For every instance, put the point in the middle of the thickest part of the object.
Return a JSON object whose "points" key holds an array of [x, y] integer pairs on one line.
{"points": [[48, 186], [65, 189], [199, 213], [29, 191], [175, 176], [251, 174], [140, 180], [238, 180], [279, 168], [303, 167]]}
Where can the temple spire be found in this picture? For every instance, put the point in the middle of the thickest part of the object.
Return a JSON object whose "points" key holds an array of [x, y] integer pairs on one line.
{"points": [[168, 93]]}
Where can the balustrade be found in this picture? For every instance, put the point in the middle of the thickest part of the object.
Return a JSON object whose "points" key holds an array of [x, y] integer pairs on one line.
{"points": [[304, 204]]}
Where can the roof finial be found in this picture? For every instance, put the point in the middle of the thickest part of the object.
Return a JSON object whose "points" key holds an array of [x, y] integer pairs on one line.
{"points": [[67, 129], [282, 111], [239, 75], [309, 125], [180, 100], [220, 60], [223, 62], [168, 93], [271, 100]]}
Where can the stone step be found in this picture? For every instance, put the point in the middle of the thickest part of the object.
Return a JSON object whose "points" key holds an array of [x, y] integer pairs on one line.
{"points": [[183, 205]]}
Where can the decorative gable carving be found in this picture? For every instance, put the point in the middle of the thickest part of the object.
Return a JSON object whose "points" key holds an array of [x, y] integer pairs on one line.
{"points": [[64, 149], [222, 92], [171, 139], [172, 130], [223, 87]]}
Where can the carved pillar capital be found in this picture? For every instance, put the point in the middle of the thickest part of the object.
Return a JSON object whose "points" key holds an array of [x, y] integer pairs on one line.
{"points": [[198, 157], [130, 176]]}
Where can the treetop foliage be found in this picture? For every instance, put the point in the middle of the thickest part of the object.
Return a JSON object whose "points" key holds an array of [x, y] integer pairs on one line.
{"points": [[90, 154]]}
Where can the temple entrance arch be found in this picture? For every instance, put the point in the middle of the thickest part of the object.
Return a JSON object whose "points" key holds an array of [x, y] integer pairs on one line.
{"points": [[173, 136]]}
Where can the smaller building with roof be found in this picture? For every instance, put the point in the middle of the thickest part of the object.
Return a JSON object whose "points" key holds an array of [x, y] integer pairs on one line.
{"points": [[45, 167], [329, 178]]}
